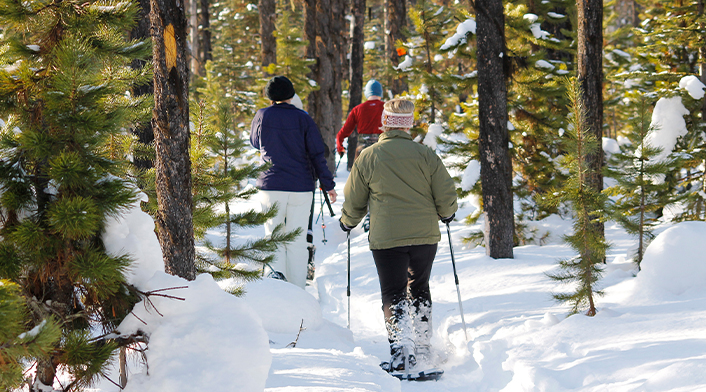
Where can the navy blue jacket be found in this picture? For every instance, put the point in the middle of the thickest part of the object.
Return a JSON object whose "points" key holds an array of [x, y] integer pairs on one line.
{"points": [[289, 139]]}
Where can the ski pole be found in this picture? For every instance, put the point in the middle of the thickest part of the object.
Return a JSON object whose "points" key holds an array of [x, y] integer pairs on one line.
{"points": [[348, 289], [328, 201], [340, 158], [458, 291]]}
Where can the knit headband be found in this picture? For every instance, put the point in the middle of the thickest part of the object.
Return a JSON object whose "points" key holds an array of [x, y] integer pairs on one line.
{"points": [[397, 120]]}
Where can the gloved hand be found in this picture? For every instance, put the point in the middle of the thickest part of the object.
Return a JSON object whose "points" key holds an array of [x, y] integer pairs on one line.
{"points": [[448, 219], [344, 227], [340, 153]]}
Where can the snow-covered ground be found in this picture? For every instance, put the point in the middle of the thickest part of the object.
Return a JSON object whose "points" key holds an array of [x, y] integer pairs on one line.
{"points": [[649, 334]]}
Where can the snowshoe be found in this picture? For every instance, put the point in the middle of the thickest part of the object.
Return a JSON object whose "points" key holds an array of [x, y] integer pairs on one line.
{"points": [[424, 375], [276, 275], [401, 359]]}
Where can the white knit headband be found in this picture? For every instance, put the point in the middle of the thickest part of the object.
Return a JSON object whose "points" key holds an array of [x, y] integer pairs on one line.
{"points": [[397, 120]]}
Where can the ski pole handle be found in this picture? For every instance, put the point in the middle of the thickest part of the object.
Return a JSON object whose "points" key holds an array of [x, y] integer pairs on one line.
{"points": [[328, 202]]}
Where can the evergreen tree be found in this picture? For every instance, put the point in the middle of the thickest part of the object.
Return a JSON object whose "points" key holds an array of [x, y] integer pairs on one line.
{"points": [[640, 188], [670, 45], [63, 96], [425, 84], [588, 206], [537, 103], [219, 174], [292, 62], [17, 345], [374, 59]]}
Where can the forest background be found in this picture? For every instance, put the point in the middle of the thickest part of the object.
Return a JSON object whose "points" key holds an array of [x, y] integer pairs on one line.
{"points": [[538, 89]]}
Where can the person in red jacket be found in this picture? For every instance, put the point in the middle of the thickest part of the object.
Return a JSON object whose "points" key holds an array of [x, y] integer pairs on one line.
{"points": [[366, 117]]}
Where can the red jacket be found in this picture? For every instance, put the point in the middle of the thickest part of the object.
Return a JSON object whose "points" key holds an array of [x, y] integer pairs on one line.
{"points": [[366, 117]]}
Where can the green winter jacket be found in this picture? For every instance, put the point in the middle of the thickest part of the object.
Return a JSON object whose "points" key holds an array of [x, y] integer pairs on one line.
{"points": [[407, 187]]}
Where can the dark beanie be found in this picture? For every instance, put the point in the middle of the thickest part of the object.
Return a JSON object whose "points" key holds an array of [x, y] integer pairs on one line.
{"points": [[279, 88]]}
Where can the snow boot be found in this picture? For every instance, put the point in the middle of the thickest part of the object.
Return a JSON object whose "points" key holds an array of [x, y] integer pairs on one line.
{"points": [[310, 267], [401, 359]]}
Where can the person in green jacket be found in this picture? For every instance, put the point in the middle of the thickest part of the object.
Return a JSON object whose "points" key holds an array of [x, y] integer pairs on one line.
{"points": [[408, 190]]}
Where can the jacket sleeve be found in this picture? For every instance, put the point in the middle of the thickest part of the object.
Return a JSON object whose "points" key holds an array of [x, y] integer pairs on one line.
{"points": [[346, 130], [316, 150], [255, 127], [443, 189], [356, 193]]}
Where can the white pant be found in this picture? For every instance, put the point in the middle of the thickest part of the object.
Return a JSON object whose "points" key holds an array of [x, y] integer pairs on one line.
{"points": [[293, 209]]}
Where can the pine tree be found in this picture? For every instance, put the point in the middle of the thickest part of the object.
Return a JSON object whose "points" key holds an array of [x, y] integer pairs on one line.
{"points": [[217, 149], [17, 345], [374, 59], [291, 59], [424, 75], [588, 206], [63, 96], [670, 46], [640, 188], [536, 100]]}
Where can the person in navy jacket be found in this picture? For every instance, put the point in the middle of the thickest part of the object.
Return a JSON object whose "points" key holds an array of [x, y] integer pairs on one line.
{"points": [[289, 140]]}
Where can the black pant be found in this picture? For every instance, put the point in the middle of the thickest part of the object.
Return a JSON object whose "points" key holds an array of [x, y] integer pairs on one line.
{"points": [[404, 284]]}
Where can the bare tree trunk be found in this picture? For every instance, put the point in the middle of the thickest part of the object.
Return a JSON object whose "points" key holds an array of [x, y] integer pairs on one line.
{"points": [[496, 166], [194, 35], [590, 78], [204, 36], [395, 23], [170, 120], [702, 65], [268, 16], [324, 25], [356, 68], [144, 132]]}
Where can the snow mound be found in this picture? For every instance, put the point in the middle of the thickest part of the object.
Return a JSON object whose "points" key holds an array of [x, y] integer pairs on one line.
{"points": [[675, 260], [133, 233], [207, 342], [204, 342], [282, 306]]}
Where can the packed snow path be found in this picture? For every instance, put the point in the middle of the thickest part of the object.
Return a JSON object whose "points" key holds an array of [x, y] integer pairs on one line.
{"points": [[645, 337]]}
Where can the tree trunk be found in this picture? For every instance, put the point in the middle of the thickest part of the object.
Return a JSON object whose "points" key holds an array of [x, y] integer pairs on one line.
{"points": [[324, 26], [395, 23], [268, 16], [204, 35], [356, 68], [170, 121], [143, 131], [193, 32], [496, 166], [628, 15], [590, 78], [702, 54]]}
